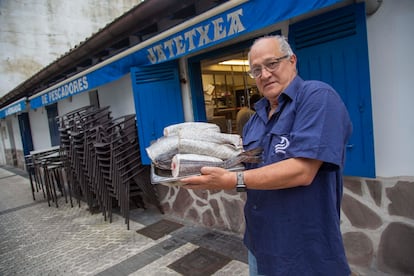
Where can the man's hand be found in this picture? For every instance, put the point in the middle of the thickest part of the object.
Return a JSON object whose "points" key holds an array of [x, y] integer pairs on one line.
{"points": [[211, 178]]}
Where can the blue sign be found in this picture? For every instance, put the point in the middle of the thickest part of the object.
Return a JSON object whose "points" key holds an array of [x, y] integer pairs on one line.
{"points": [[199, 36], [246, 18], [13, 108]]}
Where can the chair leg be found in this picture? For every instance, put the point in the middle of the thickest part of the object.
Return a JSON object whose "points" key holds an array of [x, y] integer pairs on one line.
{"points": [[31, 183], [69, 187], [59, 182], [46, 187], [40, 181], [110, 208], [51, 184]]}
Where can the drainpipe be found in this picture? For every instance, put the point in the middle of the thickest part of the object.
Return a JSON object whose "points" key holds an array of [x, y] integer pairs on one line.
{"points": [[185, 91]]}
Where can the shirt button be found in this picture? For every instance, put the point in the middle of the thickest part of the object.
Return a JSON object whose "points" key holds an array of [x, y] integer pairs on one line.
{"points": [[254, 207]]}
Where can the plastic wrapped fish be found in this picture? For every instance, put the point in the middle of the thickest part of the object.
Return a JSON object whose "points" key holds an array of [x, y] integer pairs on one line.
{"points": [[194, 126], [222, 151], [186, 147], [162, 151], [190, 164], [211, 136], [193, 137]]}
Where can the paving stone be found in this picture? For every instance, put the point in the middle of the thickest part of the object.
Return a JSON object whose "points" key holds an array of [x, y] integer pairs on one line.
{"points": [[200, 262], [36, 239]]}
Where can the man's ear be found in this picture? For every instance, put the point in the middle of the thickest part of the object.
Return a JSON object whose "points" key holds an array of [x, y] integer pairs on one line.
{"points": [[292, 59]]}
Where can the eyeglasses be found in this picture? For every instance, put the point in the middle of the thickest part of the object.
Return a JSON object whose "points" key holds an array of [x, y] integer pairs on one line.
{"points": [[270, 66]]}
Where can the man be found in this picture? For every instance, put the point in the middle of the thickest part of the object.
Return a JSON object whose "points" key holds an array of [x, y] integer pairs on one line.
{"points": [[294, 196], [245, 113]]}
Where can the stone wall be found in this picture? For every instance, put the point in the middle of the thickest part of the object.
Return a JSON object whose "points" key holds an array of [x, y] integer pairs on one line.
{"points": [[377, 220], [378, 224], [222, 210]]}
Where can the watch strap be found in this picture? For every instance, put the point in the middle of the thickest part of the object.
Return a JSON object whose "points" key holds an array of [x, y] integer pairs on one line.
{"points": [[240, 187]]}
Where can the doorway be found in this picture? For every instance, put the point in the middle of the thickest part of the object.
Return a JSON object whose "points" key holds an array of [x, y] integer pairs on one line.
{"points": [[52, 113], [227, 88]]}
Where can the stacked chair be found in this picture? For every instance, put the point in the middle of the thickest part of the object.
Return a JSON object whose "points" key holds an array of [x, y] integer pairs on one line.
{"points": [[70, 126], [53, 171], [102, 161], [46, 173]]}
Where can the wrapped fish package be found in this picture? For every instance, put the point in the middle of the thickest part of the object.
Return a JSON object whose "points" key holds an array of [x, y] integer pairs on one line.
{"points": [[187, 147], [191, 126], [190, 164]]}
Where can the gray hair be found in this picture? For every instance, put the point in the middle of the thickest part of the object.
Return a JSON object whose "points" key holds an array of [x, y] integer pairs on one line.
{"points": [[285, 48]]}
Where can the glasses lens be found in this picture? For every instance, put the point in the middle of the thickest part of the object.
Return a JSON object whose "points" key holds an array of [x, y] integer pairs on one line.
{"points": [[270, 66], [256, 72]]}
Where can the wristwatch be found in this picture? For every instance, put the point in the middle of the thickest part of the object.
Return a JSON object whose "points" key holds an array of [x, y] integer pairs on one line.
{"points": [[240, 187]]}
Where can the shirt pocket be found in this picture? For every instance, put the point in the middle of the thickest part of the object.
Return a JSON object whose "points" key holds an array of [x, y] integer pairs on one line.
{"points": [[252, 140], [278, 144]]}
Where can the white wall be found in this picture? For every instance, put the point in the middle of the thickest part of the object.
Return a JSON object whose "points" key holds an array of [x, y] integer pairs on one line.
{"points": [[73, 103], [390, 42], [40, 129], [118, 95], [2, 140], [3, 134], [35, 33]]}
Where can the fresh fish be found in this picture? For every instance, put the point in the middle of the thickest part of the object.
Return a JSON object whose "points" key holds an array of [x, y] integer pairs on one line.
{"points": [[193, 138], [162, 151], [248, 156], [211, 136], [197, 126], [190, 164], [222, 151]]}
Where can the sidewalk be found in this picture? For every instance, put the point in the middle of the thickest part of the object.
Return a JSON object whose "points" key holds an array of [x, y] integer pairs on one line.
{"points": [[39, 240]]}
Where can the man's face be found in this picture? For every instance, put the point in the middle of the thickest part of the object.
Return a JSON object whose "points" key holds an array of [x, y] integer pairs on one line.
{"points": [[266, 53]]}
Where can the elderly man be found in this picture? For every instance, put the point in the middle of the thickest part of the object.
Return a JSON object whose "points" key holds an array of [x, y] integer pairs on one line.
{"points": [[294, 196]]}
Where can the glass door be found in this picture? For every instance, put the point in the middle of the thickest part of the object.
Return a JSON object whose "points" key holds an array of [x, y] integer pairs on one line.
{"points": [[227, 88]]}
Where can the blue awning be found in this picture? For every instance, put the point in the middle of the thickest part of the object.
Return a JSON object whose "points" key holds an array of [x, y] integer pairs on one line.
{"points": [[242, 19], [13, 108]]}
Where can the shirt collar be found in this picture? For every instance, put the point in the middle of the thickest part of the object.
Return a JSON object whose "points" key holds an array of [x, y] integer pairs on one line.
{"points": [[292, 89], [289, 93]]}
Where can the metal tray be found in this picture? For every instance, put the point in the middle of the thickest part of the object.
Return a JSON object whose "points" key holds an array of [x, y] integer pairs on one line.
{"points": [[159, 176]]}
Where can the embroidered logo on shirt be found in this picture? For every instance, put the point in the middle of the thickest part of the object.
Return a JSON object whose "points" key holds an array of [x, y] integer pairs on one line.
{"points": [[283, 144]]}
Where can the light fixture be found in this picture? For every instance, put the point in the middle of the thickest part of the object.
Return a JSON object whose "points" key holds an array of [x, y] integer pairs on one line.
{"points": [[239, 62]]}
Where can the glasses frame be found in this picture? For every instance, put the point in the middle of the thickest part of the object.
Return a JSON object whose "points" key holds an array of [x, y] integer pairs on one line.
{"points": [[276, 63]]}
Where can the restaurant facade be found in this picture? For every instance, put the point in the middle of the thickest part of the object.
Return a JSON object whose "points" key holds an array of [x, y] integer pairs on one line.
{"points": [[196, 71]]}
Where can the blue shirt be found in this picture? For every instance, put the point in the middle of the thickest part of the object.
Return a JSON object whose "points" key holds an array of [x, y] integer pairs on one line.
{"points": [[296, 231]]}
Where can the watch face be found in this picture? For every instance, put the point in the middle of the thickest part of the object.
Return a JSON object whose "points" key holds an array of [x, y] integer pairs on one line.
{"points": [[240, 187]]}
